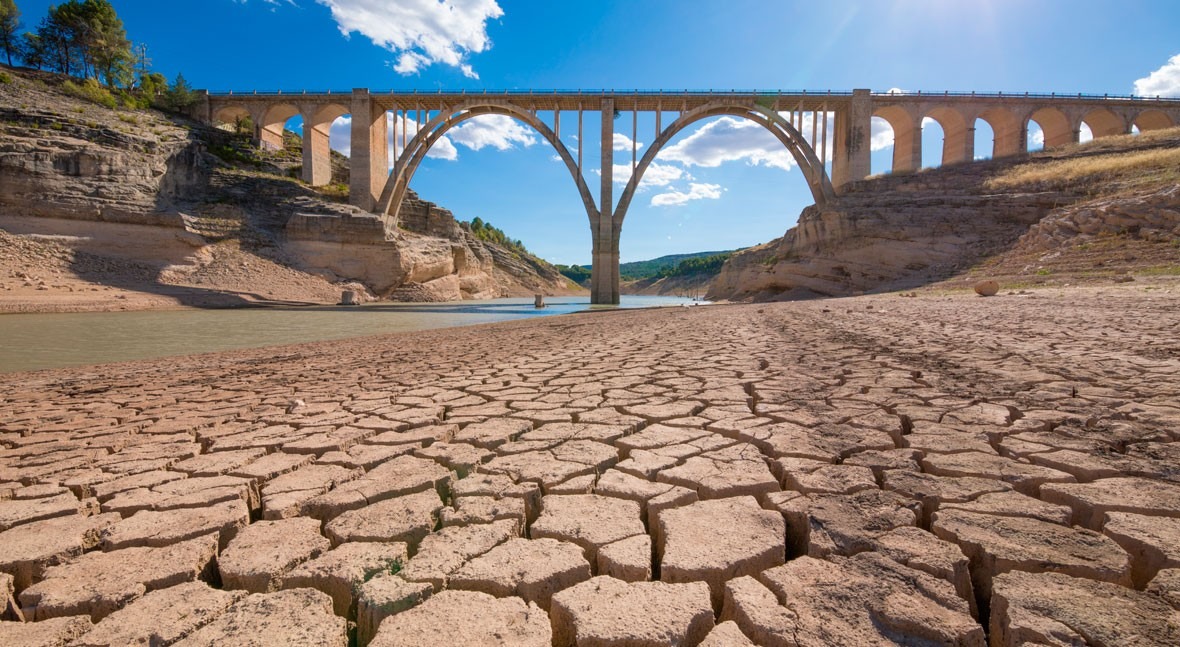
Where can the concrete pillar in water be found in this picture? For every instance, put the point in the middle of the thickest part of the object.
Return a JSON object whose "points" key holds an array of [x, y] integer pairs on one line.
{"points": [[604, 275]]}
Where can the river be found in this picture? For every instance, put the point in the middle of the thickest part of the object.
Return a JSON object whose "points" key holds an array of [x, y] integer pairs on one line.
{"points": [[37, 341]]}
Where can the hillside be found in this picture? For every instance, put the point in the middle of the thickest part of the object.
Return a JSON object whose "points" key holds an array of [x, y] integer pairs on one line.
{"points": [[131, 208], [1094, 212], [648, 269]]}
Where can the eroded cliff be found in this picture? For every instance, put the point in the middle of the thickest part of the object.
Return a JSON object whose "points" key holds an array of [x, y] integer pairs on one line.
{"points": [[1009, 216], [149, 188]]}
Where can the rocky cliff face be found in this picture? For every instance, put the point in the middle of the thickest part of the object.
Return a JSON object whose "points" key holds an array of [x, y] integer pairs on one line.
{"points": [[896, 232], [137, 184]]}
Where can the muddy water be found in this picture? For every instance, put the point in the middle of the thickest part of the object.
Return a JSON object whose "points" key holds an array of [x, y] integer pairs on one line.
{"points": [[36, 341]]}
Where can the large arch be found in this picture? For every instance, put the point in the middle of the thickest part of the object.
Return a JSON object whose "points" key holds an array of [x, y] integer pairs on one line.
{"points": [[813, 170], [1152, 119], [415, 151]]}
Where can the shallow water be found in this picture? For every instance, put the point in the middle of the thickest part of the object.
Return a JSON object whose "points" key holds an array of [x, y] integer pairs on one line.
{"points": [[36, 341]]}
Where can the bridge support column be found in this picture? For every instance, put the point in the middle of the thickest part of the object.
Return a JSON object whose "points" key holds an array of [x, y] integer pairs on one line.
{"points": [[604, 274], [852, 141], [317, 154], [369, 164], [958, 144], [907, 148]]}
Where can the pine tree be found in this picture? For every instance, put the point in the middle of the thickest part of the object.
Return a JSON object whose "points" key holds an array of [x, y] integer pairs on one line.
{"points": [[9, 24]]}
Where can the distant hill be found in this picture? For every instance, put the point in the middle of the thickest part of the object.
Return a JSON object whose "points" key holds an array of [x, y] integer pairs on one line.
{"points": [[648, 269], [639, 270]]}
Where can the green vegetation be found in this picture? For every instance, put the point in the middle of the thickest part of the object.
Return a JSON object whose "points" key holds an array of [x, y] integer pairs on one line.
{"points": [[485, 231], [90, 90], [5, 78], [85, 39], [575, 273], [698, 265], [9, 24], [653, 268], [662, 267]]}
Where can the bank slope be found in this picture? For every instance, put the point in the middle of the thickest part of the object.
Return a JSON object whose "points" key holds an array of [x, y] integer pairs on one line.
{"points": [[1085, 212]]}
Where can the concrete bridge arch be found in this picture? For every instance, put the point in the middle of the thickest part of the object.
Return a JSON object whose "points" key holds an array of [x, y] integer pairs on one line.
{"points": [[809, 163], [398, 184]]}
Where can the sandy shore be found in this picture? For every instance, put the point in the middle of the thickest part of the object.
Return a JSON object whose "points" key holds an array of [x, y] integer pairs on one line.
{"points": [[873, 470]]}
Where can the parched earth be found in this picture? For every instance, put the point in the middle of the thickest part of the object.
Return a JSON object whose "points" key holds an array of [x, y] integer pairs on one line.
{"points": [[872, 471]]}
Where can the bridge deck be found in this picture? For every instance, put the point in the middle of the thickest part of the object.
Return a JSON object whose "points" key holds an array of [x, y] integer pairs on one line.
{"points": [[669, 100]]}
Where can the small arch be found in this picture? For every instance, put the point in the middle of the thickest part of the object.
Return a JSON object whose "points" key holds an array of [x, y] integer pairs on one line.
{"points": [[985, 140], [415, 151], [1153, 119], [317, 148], [907, 138], [232, 117], [1006, 130], [809, 164], [958, 142], [269, 128], [1055, 125], [882, 139], [933, 142], [1104, 123]]}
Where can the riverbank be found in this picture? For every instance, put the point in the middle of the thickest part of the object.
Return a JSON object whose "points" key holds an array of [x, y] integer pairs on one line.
{"points": [[932, 468]]}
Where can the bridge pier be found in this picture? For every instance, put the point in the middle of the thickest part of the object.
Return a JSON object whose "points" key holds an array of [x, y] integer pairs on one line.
{"points": [[604, 270], [317, 154], [369, 161], [852, 141]]}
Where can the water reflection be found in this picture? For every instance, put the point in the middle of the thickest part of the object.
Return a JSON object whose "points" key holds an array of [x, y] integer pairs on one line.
{"points": [[36, 341]]}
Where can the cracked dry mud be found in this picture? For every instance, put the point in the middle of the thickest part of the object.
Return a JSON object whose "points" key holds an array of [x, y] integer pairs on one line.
{"points": [[870, 471]]}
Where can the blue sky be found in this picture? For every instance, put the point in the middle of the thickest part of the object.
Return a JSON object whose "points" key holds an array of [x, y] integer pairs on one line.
{"points": [[723, 185]]}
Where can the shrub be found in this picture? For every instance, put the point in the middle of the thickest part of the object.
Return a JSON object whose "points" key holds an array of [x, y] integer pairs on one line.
{"points": [[5, 78], [90, 90]]}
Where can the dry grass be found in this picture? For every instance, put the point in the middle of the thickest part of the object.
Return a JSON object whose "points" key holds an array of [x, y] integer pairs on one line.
{"points": [[1129, 170]]}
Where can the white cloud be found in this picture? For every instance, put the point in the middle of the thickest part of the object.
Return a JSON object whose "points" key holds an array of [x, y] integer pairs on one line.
{"points": [[420, 32], [661, 175], [1084, 133], [500, 132], [1036, 136], [656, 174], [695, 192], [623, 143], [729, 139], [1164, 82], [882, 134]]}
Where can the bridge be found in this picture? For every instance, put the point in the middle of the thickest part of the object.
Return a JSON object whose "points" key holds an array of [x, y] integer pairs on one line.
{"points": [[800, 120]]}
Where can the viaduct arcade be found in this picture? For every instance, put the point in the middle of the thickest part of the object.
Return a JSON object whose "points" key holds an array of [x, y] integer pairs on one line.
{"points": [[800, 120]]}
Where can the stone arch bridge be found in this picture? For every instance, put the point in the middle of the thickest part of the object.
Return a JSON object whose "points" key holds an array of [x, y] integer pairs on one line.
{"points": [[822, 131]]}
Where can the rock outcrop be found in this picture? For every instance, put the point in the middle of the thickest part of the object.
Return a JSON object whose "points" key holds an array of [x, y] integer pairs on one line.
{"points": [[142, 186], [895, 230], [902, 231]]}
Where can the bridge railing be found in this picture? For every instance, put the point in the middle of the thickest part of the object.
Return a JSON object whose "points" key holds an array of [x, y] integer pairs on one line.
{"points": [[707, 93], [559, 93], [1027, 95]]}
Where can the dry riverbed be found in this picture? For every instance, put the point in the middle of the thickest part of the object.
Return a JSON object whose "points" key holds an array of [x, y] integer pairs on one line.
{"points": [[943, 469]]}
